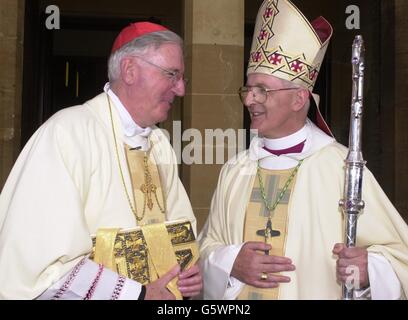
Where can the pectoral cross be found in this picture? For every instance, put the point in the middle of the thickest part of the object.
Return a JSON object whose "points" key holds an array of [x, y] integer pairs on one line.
{"points": [[267, 233], [148, 188]]}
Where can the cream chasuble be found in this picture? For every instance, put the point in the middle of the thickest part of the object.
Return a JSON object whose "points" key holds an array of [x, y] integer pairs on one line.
{"points": [[65, 186], [314, 225]]}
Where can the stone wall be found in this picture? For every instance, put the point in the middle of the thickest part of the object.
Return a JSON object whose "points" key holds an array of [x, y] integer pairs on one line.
{"points": [[11, 61], [214, 38]]}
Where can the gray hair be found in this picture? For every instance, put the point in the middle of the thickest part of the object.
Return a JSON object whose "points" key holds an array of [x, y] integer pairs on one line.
{"points": [[139, 46]]}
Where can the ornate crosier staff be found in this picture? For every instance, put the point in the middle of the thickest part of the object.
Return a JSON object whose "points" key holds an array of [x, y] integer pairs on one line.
{"points": [[352, 204]]}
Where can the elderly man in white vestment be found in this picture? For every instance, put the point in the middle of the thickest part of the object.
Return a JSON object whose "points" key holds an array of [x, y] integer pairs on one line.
{"points": [[99, 165], [275, 230]]}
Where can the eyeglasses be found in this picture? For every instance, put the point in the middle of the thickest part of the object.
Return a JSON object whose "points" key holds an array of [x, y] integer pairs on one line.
{"points": [[174, 75], [259, 94]]}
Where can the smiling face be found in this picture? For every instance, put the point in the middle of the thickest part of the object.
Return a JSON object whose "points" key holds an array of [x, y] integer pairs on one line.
{"points": [[148, 91], [282, 113]]}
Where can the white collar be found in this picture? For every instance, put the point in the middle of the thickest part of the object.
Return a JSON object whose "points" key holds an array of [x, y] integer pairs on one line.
{"points": [[288, 141], [316, 139], [134, 135], [130, 127]]}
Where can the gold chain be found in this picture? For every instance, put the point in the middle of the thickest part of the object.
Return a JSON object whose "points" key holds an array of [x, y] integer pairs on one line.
{"points": [[148, 187]]}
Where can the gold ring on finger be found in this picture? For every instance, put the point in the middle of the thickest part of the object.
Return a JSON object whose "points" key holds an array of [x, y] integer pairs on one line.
{"points": [[264, 276]]}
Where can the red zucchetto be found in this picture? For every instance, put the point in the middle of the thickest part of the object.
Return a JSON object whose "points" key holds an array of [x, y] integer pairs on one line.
{"points": [[133, 31]]}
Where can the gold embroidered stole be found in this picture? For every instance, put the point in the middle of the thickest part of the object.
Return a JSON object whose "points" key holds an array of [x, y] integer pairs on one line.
{"points": [[256, 218], [135, 160]]}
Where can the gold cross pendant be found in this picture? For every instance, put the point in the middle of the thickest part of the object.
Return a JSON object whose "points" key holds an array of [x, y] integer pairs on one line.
{"points": [[148, 189]]}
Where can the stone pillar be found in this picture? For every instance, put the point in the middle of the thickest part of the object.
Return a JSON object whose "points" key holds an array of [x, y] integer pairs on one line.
{"points": [[11, 71], [401, 107], [214, 42]]}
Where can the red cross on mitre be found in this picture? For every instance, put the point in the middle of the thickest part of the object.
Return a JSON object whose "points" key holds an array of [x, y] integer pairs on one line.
{"points": [[296, 66], [256, 56], [275, 59], [313, 74], [263, 34], [268, 13]]}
